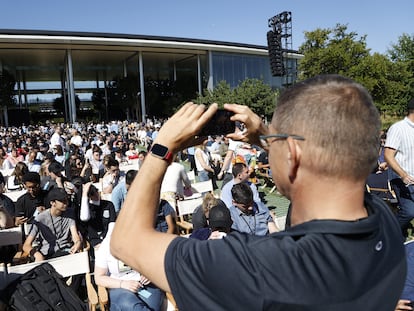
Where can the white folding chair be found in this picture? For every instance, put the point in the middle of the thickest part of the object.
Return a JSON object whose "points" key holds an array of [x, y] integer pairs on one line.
{"points": [[191, 176], [66, 266], [202, 186], [184, 209]]}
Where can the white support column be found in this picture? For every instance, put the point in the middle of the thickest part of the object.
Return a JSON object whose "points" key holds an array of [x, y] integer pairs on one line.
{"points": [[71, 87], [64, 97], [19, 89], [210, 84], [125, 69], [66, 100], [200, 88], [142, 87]]}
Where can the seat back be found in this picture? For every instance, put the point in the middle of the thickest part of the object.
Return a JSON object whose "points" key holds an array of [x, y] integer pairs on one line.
{"points": [[191, 176], [185, 208], [66, 266], [202, 186], [379, 185], [11, 236]]}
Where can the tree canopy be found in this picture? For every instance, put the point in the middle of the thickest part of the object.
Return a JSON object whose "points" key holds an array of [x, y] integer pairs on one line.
{"points": [[253, 93], [389, 78]]}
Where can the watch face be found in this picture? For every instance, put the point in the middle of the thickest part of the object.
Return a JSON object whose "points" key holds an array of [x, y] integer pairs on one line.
{"points": [[159, 150]]}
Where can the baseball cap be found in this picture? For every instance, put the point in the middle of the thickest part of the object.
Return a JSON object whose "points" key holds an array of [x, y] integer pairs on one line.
{"points": [[219, 216], [57, 194]]}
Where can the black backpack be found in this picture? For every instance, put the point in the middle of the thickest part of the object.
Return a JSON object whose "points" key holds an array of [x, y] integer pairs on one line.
{"points": [[42, 288]]}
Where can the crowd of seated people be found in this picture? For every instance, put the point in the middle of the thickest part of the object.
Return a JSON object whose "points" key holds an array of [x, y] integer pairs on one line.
{"points": [[60, 167], [60, 174]]}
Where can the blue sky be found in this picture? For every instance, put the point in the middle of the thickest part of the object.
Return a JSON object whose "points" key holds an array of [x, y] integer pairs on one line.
{"points": [[224, 20]]}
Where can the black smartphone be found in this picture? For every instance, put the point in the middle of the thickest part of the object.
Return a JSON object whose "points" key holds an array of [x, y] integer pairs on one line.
{"points": [[219, 124]]}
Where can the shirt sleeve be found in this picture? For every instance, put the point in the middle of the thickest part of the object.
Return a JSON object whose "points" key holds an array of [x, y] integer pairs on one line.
{"points": [[393, 140]]}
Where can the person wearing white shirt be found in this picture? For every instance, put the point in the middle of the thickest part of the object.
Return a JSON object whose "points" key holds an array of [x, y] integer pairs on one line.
{"points": [[174, 182], [56, 139], [127, 288], [76, 139]]}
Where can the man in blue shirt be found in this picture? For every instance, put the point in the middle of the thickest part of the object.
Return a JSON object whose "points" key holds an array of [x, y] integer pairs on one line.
{"points": [[121, 189], [248, 216], [240, 173]]}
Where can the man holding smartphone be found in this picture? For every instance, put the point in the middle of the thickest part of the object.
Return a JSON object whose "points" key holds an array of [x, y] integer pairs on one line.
{"points": [[342, 249]]}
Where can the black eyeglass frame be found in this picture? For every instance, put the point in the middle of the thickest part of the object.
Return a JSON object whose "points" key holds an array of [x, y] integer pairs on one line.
{"points": [[265, 144]]}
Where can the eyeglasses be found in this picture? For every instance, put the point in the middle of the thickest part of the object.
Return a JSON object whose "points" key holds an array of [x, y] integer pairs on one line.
{"points": [[281, 136]]}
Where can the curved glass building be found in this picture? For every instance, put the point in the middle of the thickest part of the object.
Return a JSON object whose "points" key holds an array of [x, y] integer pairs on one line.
{"points": [[121, 76]]}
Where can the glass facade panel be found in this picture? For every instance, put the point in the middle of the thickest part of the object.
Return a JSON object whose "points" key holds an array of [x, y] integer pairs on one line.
{"points": [[234, 68]]}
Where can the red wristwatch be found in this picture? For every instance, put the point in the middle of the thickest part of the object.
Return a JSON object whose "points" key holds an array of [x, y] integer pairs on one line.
{"points": [[162, 152]]}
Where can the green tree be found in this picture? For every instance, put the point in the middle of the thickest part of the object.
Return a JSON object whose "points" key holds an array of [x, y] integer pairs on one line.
{"points": [[402, 53], [221, 94], [328, 51], [98, 100], [253, 93], [341, 52], [122, 93], [257, 95], [59, 106], [7, 93]]}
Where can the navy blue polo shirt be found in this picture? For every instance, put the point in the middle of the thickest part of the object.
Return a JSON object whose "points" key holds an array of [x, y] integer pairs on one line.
{"points": [[317, 265]]}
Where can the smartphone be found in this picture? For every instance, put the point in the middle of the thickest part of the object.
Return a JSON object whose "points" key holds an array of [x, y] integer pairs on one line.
{"points": [[219, 124]]}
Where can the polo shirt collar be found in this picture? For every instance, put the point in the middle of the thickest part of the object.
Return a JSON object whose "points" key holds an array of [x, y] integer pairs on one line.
{"points": [[361, 226]]}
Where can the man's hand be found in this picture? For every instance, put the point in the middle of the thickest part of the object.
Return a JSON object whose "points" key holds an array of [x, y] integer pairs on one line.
{"points": [[403, 304], [130, 285], [20, 220], [254, 126], [76, 247], [180, 131], [408, 180], [85, 189], [144, 281]]}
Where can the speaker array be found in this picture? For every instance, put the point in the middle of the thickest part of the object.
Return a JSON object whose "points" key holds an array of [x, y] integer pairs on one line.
{"points": [[274, 43]]}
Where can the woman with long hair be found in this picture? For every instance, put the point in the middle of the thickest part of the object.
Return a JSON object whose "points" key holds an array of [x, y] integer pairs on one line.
{"points": [[4, 164], [200, 215], [202, 160], [15, 180]]}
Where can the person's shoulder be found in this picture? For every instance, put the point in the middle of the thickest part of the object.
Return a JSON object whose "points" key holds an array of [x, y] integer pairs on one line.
{"points": [[107, 204], [23, 197], [120, 186], [227, 187], [44, 217]]}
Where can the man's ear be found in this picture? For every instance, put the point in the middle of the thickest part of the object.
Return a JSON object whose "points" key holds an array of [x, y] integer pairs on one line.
{"points": [[294, 157]]}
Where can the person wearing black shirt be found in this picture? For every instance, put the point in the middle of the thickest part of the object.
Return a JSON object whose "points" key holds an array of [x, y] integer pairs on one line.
{"points": [[96, 214], [31, 203], [342, 249]]}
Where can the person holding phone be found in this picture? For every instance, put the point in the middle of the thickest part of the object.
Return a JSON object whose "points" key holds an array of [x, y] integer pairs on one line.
{"points": [[342, 249]]}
